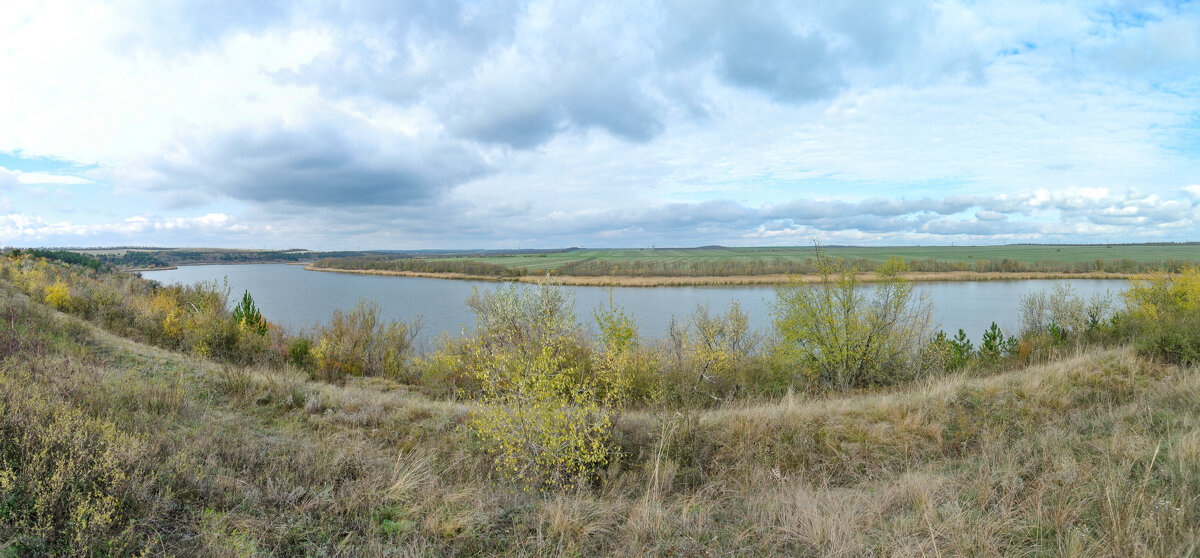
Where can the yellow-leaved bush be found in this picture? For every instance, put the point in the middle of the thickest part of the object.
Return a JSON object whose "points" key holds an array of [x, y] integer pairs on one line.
{"points": [[58, 295], [1164, 309], [542, 411]]}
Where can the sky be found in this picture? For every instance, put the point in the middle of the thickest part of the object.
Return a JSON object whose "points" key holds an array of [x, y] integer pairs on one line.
{"points": [[407, 124]]}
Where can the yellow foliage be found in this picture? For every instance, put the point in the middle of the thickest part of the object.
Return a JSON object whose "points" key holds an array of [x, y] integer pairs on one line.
{"points": [[543, 414], [172, 326], [58, 295], [545, 429], [1162, 293]]}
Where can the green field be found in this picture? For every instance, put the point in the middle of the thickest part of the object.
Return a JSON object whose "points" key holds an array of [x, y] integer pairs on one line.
{"points": [[1072, 257]]}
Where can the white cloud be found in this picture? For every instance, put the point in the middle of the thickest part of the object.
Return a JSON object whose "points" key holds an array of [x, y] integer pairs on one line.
{"points": [[9, 180], [50, 178], [25, 228]]}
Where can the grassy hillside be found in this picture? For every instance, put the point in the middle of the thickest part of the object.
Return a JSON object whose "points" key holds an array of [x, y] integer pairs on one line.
{"points": [[108, 446]]}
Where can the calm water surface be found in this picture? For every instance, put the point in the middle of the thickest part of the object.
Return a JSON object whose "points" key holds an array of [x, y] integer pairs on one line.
{"points": [[299, 299]]}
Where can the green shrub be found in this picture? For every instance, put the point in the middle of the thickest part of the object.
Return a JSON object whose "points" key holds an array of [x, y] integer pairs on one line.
{"points": [[623, 368], [299, 352], [840, 334]]}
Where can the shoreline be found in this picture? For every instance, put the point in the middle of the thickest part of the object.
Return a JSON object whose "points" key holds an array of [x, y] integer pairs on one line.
{"points": [[731, 280]]}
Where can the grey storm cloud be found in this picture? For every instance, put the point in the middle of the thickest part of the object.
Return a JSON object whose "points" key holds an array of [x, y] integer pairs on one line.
{"points": [[318, 165]]}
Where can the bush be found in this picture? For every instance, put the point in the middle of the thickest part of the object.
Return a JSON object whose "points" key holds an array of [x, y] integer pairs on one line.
{"points": [[70, 484], [542, 413], [299, 352], [1164, 311], [624, 369], [361, 343], [839, 334], [1062, 313], [710, 358]]}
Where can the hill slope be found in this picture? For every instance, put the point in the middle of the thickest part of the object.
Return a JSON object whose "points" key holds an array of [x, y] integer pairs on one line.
{"points": [[1095, 455]]}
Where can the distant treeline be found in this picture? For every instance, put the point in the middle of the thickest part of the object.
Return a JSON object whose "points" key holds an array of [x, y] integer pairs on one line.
{"points": [[74, 258], [134, 259], [676, 267], [385, 263], [165, 258]]}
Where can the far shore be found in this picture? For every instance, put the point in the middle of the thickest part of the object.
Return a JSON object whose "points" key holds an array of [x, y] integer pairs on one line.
{"points": [[731, 280]]}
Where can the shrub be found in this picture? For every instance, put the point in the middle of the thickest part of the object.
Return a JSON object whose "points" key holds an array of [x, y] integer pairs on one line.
{"points": [[540, 411], [1165, 313], [545, 429], [840, 334], [361, 343], [1061, 313], [69, 484], [526, 319], [299, 352], [58, 295], [624, 369], [711, 357]]}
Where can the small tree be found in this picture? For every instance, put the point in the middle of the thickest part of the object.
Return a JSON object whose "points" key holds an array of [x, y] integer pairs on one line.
{"points": [[246, 314], [993, 344], [841, 334]]}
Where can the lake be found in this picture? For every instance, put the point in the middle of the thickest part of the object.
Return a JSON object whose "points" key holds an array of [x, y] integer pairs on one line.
{"points": [[298, 299]]}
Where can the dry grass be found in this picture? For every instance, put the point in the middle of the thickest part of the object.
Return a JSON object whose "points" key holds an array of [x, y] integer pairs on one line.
{"points": [[1095, 455], [733, 280]]}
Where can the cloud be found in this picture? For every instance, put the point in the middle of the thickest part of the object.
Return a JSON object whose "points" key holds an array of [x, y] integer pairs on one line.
{"points": [[25, 228], [759, 51], [1077, 214], [321, 163], [9, 180], [51, 178], [463, 123]]}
